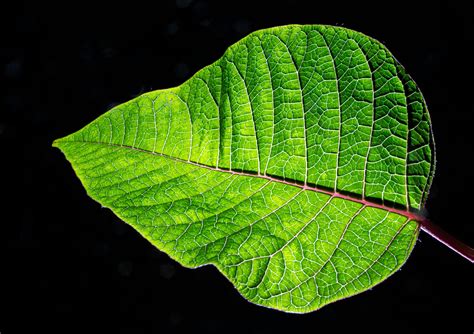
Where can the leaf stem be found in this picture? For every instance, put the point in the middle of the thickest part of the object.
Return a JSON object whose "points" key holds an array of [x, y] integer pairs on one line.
{"points": [[447, 239]]}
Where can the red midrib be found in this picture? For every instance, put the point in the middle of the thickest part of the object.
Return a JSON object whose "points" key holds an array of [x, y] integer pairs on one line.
{"points": [[408, 214]]}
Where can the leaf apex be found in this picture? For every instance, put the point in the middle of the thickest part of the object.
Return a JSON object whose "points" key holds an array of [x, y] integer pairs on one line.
{"points": [[57, 142]]}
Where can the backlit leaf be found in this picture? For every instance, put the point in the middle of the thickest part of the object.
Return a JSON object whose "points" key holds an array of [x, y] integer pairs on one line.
{"points": [[292, 164]]}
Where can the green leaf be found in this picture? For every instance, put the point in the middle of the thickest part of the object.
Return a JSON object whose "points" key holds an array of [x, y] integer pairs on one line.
{"points": [[293, 164]]}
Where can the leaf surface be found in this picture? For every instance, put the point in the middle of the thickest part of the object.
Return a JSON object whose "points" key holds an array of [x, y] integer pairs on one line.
{"points": [[292, 164]]}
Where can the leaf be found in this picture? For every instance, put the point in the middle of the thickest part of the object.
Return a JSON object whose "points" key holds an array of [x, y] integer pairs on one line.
{"points": [[294, 164]]}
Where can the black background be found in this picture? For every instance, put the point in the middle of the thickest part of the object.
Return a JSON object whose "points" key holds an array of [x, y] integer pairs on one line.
{"points": [[72, 266]]}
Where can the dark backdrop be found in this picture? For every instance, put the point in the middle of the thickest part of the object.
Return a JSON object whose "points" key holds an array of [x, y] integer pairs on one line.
{"points": [[72, 266]]}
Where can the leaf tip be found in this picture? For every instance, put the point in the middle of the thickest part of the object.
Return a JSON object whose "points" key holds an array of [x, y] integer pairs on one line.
{"points": [[57, 143]]}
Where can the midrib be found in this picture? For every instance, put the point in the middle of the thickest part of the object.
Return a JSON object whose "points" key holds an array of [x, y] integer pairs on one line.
{"points": [[409, 214]]}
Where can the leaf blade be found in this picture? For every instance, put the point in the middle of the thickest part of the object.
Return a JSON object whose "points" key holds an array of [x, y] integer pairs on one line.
{"points": [[195, 171]]}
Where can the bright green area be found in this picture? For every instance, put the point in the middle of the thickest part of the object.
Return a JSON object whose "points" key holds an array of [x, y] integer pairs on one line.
{"points": [[198, 169]]}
